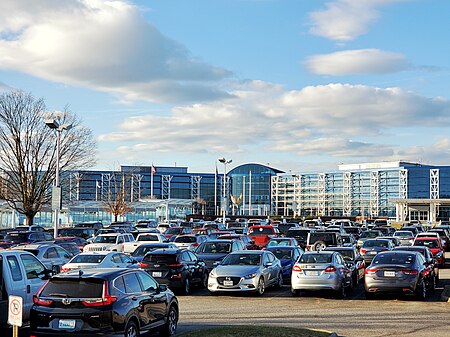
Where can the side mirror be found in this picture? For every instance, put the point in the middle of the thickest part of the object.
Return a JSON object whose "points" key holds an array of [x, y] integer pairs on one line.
{"points": [[216, 263], [55, 270], [162, 287], [268, 264]]}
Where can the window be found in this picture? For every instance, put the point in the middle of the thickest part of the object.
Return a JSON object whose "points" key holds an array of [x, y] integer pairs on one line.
{"points": [[185, 257], [61, 252], [118, 283], [33, 268], [125, 258], [116, 258], [192, 256], [51, 253], [15, 268], [148, 282], [132, 284]]}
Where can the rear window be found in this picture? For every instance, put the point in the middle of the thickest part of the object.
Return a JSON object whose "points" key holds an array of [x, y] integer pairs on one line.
{"points": [[260, 231], [88, 259], [73, 288], [161, 258], [214, 247], [427, 243], [407, 234], [315, 258], [173, 231], [148, 238], [17, 237], [326, 237], [185, 239], [369, 234], [398, 258], [105, 239], [376, 243], [282, 253], [302, 234]]}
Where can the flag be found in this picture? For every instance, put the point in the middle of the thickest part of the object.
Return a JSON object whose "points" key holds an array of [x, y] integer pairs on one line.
{"points": [[153, 169]]}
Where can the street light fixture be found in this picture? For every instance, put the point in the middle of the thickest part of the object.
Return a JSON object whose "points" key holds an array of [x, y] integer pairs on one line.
{"points": [[56, 193], [224, 162]]}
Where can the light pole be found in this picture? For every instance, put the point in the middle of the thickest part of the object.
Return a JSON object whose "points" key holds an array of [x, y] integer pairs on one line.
{"points": [[224, 162], [56, 193]]}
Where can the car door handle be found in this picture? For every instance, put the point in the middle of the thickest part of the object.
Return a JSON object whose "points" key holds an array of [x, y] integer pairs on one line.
{"points": [[28, 289]]}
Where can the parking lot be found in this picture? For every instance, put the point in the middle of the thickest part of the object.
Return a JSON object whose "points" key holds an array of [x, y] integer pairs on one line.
{"points": [[353, 316]]}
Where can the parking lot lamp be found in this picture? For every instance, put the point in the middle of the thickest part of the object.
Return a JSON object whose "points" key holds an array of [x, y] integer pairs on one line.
{"points": [[224, 162]]}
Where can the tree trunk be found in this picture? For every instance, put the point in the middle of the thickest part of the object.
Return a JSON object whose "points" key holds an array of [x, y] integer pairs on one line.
{"points": [[29, 219]]}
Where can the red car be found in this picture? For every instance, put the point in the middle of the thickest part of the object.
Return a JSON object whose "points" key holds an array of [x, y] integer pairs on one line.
{"points": [[261, 235], [435, 245]]}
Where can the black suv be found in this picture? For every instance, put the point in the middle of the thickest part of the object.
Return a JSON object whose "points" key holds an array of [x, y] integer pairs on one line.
{"points": [[321, 239], [177, 268], [300, 234], [103, 302], [22, 237]]}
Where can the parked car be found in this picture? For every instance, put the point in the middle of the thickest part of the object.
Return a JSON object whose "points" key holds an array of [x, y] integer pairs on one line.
{"points": [[21, 274], [372, 247], [319, 240], [353, 260], [70, 247], [104, 259], [348, 240], [80, 242], [103, 302], [190, 242], [320, 270], [287, 255], [406, 237], [398, 272], [284, 227], [427, 254], [445, 235], [177, 268], [144, 248], [369, 234], [261, 234], [300, 234], [395, 241], [51, 255], [246, 271], [174, 231], [248, 242], [23, 237], [81, 232], [130, 247], [274, 242], [436, 247], [112, 242], [212, 252]]}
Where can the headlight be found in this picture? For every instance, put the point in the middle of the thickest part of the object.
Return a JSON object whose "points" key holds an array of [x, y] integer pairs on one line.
{"points": [[250, 276], [213, 273]]}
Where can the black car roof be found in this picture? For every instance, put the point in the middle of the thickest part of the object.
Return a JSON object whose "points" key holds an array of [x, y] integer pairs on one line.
{"points": [[167, 251]]}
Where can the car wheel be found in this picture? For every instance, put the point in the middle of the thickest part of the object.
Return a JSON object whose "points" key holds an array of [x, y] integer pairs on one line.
{"points": [[131, 330], [421, 290], [186, 286], [319, 246], [261, 287], [170, 327], [295, 292], [280, 281]]}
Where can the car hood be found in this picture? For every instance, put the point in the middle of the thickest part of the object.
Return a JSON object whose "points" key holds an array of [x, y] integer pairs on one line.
{"points": [[236, 270]]}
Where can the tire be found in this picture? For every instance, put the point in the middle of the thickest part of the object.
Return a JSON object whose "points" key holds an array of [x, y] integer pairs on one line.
{"points": [[280, 281], [205, 280], [421, 291], [170, 327], [131, 330], [295, 292], [261, 288], [318, 246], [186, 287]]}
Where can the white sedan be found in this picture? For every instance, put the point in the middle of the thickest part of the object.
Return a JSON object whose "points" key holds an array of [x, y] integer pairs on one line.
{"points": [[99, 260]]}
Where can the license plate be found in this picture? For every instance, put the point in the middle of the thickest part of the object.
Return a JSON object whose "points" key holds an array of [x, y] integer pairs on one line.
{"points": [[66, 324], [157, 274], [372, 253], [389, 273], [227, 283], [312, 273]]}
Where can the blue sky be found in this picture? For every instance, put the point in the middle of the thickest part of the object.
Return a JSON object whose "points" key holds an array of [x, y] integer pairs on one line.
{"points": [[300, 84]]}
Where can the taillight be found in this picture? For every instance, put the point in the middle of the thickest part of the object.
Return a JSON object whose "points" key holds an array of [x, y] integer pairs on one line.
{"points": [[106, 299], [63, 269], [297, 268], [194, 245], [362, 250], [40, 301], [370, 271], [410, 272], [330, 269], [142, 264], [123, 246]]}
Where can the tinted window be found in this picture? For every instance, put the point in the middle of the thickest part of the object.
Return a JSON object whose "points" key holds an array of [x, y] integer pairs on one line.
{"points": [[427, 243], [192, 256], [148, 282], [186, 239], [260, 231], [51, 253], [148, 237], [215, 247], [376, 243], [397, 258], [161, 258], [33, 268], [14, 267], [244, 259], [185, 257], [105, 239], [116, 258], [75, 288], [88, 259], [131, 283], [118, 283], [315, 258]]}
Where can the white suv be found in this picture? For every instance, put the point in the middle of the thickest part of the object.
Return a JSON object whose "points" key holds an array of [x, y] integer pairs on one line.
{"points": [[111, 241]]}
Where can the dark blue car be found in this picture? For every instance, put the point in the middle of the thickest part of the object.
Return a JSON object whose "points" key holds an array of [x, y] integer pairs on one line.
{"points": [[288, 255], [212, 252]]}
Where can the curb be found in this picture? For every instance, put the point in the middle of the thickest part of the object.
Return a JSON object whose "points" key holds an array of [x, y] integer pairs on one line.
{"points": [[445, 296]]}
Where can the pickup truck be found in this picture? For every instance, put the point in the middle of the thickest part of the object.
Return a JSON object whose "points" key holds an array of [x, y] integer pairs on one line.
{"points": [[21, 274], [112, 242], [130, 247]]}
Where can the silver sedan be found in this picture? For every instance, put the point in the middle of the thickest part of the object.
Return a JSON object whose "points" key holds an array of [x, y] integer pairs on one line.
{"points": [[247, 271]]}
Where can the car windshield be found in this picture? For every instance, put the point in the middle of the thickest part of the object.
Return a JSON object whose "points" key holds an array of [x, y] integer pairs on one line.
{"points": [[427, 243], [281, 242], [260, 231], [214, 248], [242, 259], [376, 243], [162, 259], [105, 239], [397, 258], [408, 234], [73, 288], [315, 258], [282, 254], [94, 258], [369, 234], [185, 239]]}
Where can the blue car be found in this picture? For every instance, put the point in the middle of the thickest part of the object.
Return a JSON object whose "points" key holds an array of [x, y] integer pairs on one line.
{"points": [[288, 255]]}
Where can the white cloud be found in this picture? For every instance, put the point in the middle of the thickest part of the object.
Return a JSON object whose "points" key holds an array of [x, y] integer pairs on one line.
{"points": [[362, 61], [103, 45], [338, 120], [345, 20]]}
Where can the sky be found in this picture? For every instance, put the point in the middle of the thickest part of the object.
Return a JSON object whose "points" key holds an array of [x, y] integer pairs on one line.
{"points": [[299, 85]]}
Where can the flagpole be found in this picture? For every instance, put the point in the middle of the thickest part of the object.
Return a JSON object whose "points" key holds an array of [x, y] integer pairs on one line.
{"points": [[215, 191], [243, 195], [250, 194], [151, 182]]}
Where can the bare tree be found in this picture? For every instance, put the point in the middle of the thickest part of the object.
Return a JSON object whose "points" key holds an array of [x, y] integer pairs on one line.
{"points": [[28, 151], [117, 199]]}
